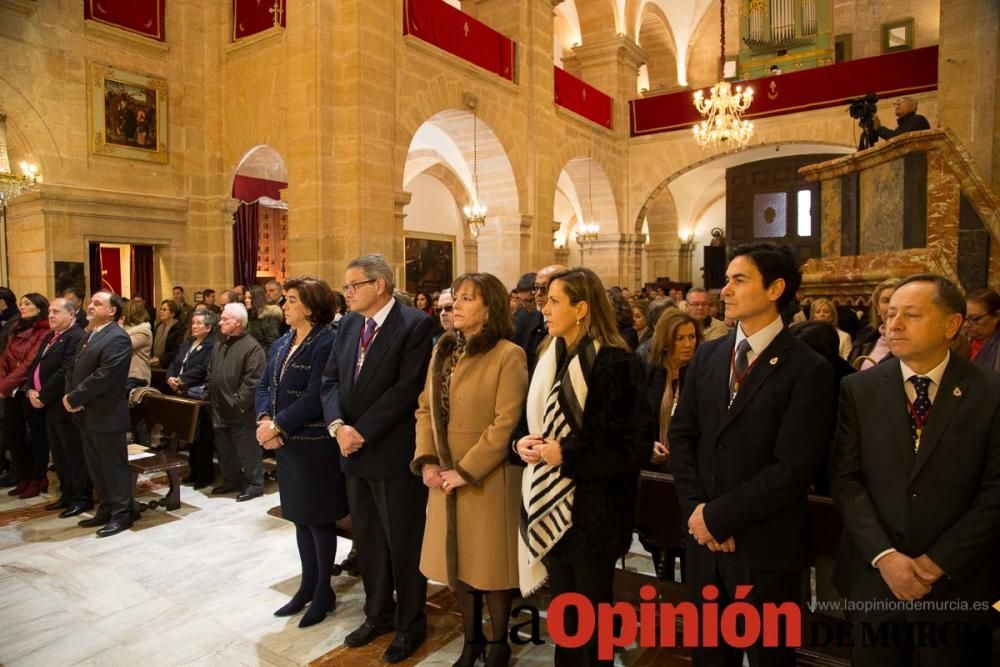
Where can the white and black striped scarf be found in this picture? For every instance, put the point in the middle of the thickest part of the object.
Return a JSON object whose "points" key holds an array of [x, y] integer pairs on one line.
{"points": [[554, 409]]}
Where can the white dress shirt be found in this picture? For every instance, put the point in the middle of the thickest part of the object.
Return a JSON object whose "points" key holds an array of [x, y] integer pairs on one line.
{"points": [[759, 341]]}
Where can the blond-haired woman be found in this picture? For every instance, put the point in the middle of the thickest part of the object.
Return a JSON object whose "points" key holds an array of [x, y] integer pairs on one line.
{"points": [[823, 310], [584, 448], [472, 401], [870, 341], [675, 339]]}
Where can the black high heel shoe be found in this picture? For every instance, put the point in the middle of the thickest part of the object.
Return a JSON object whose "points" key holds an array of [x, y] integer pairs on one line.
{"points": [[499, 655], [293, 606], [318, 611], [472, 652]]}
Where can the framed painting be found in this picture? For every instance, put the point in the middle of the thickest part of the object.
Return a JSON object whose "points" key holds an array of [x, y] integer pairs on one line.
{"points": [[68, 275], [128, 114], [430, 262]]}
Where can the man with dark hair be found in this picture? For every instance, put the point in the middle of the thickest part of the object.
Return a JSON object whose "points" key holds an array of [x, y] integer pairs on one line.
{"points": [[524, 293], [916, 479], [747, 439], [907, 119], [96, 396], [76, 296], [530, 330], [208, 296], [370, 387], [186, 308]]}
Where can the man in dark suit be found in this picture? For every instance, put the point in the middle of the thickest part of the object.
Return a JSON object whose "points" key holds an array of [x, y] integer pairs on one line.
{"points": [[45, 387], [916, 479], [370, 387], [747, 439], [96, 394], [529, 327]]}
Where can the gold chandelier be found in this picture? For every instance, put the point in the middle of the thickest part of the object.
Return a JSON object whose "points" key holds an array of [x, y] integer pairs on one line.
{"points": [[12, 185], [475, 213], [723, 123]]}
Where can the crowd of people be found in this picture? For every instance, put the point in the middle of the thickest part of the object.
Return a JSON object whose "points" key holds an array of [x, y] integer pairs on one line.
{"points": [[492, 438]]}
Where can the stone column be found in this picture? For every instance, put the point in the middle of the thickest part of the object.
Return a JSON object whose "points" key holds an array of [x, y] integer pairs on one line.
{"points": [[611, 65]]}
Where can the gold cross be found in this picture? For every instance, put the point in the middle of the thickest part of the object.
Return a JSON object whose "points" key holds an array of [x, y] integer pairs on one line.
{"points": [[277, 11], [466, 28]]}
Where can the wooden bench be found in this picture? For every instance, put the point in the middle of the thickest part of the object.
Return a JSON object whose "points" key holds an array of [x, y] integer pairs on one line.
{"points": [[178, 418]]}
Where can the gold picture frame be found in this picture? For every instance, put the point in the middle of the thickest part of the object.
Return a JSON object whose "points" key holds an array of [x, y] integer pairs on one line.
{"points": [[128, 114], [897, 35]]}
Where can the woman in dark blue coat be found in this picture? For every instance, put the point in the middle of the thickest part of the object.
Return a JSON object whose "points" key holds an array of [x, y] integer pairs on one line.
{"points": [[290, 420]]}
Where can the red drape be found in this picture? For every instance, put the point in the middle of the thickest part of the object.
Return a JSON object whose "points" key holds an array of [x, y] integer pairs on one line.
{"points": [[142, 272], [246, 241], [582, 98], [459, 34], [253, 16], [111, 269], [141, 16], [94, 255], [250, 189], [889, 75]]}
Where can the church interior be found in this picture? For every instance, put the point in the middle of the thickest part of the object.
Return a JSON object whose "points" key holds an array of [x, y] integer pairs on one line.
{"points": [[154, 143]]}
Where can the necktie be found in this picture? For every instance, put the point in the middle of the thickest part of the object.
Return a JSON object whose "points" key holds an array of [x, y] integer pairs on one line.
{"points": [[740, 365], [920, 408], [366, 340]]}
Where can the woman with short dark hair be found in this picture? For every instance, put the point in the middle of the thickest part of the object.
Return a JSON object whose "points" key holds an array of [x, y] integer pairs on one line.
{"points": [[290, 420], [167, 335], [31, 456], [982, 324], [464, 427]]}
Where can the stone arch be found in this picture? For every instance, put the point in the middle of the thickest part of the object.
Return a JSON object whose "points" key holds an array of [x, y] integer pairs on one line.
{"points": [[262, 161], [600, 18], [586, 184], [566, 29], [29, 137], [654, 35]]}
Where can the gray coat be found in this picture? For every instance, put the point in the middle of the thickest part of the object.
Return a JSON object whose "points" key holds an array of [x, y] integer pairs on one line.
{"points": [[237, 365]]}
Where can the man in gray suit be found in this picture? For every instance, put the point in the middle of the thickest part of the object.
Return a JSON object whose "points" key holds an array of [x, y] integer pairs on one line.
{"points": [[96, 395]]}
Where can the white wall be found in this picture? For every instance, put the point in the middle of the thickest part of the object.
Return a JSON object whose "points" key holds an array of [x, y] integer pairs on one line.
{"points": [[433, 210]]}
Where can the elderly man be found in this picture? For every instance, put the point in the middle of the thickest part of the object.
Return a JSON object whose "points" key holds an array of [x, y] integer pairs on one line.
{"points": [[45, 386], [916, 480], [907, 119], [98, 399], [698, 308], [446, 306], [228, 297], [273, 293], [530, 329], [238, 363]]}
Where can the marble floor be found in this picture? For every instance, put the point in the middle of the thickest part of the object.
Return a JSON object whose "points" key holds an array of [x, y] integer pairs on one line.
{"points": [[196, 586]]}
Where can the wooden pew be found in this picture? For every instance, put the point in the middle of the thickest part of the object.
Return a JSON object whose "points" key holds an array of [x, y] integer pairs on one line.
{"points": [[179, 419]]}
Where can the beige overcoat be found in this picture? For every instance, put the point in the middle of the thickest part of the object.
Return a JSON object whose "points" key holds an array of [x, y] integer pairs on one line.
{"points": [[472, 534]]}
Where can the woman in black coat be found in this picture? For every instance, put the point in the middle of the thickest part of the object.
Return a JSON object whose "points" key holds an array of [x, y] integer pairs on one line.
{"points": [[290, 420], [585, 462], [187, 376]]}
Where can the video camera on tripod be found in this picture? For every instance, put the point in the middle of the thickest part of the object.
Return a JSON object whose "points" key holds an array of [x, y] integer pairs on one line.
{"points": [[864, 108]]}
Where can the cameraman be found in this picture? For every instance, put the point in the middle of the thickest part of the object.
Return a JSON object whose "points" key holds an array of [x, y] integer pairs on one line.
{"points": [[907, 119]]}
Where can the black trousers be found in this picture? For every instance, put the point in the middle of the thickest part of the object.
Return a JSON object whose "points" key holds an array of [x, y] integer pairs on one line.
{"points": [[67, 453], [202, 448], [32, 454], [107, 460], [726, 572], [15, 434], [239, 457], [950, 640], [569, 572], [387, 516]]}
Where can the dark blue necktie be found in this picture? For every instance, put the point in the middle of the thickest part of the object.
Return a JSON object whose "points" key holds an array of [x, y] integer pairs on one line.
{"points": [[920, 408]]}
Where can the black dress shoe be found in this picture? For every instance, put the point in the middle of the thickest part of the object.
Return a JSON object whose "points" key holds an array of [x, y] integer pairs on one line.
{"points": [[113, 528], [248, 495], [74, 510], [199, 485], [220, 490], [188, 480], [98, 520], [402, 647], [365, 634], [60, 504]]}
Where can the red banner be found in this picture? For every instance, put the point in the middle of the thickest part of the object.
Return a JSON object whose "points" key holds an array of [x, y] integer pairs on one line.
{"points": [[253, 16], [580, 97], [890, 75], [440, 24], [250, 189], [144, 17]]}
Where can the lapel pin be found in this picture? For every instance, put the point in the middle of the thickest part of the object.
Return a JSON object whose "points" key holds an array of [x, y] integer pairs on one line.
{"points": [[774, 361], [957, 392]]}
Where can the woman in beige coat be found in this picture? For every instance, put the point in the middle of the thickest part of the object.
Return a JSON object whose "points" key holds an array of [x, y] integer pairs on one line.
{"points": [[473, 399]]}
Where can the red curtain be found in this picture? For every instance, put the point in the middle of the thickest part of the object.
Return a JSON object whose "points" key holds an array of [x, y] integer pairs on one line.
{"points": [[142, 272], [246, 240], [582, 98], [459, 34], [142, 16], [111, 269], [94, 255], [889, 75], [250, 189], [253, 16]]}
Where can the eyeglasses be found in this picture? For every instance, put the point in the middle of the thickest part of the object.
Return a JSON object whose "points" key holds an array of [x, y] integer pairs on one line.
{"points": [[446, 309], [535, 289], [351, 288]]}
